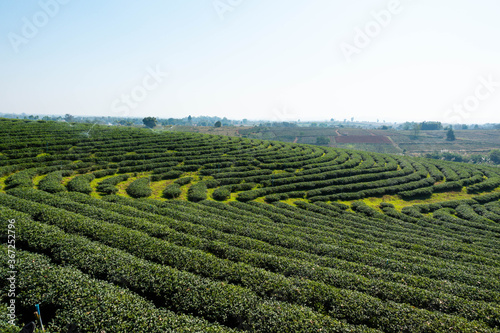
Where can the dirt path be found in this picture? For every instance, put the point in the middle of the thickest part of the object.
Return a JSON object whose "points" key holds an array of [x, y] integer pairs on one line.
{"points": [[394, 144]]}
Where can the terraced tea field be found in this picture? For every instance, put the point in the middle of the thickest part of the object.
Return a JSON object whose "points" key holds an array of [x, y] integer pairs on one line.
{"points": [[130, 230]]}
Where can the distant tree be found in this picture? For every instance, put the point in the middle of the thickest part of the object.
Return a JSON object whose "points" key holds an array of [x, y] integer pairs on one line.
{"points": [[495, 156], [150, 122], [464, 127], [69, 118], [450, 135], [314, 124], [477, 158], [218, 124], [449, 156], [322, 140], [431, 125], [190, 119], [407, 126], [434, 155], [416, 130]]}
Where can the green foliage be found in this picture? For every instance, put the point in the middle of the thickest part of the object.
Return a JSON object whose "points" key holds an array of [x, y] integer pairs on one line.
{"points": [[183, 181], [172, 191], [5, 318], [150, 122], [108, 185], [139, 188], [81, 184], [415, 129], [171, 175], [211, 183], [22, 178], [431, 125], [489, 184], [322, 140], [104, 173], [450, 135], [113, 308], [52, 182], [221, 194], [495, 156], [288, 255], [423, 192], [182, 291], [197, 192], [276, 197]]}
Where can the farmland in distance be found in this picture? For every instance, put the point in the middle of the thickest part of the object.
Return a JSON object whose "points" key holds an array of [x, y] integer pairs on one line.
{"points": [[392, 141]]}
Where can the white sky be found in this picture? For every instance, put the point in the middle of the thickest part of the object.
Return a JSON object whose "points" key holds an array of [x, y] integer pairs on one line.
{"points": [[278, 60]]}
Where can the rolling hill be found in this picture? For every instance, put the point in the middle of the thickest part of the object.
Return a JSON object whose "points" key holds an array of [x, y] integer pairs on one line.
{"points": [[132, 230]]}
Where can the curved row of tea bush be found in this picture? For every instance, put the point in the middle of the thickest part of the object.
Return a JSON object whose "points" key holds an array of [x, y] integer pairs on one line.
{"points": [[309, 290], [106, 307], [52, 182], [185, 227], [108, 185], [176, 290]]}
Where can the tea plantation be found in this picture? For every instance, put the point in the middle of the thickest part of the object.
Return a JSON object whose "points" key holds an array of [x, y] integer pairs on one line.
{"points": [[132, 230]]}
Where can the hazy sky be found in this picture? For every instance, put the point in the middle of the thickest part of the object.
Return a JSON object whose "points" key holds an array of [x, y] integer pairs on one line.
{"points": [[255, 59]]}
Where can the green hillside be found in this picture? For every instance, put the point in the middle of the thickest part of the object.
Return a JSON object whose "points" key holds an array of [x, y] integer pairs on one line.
{"points": [[131, 230]]}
